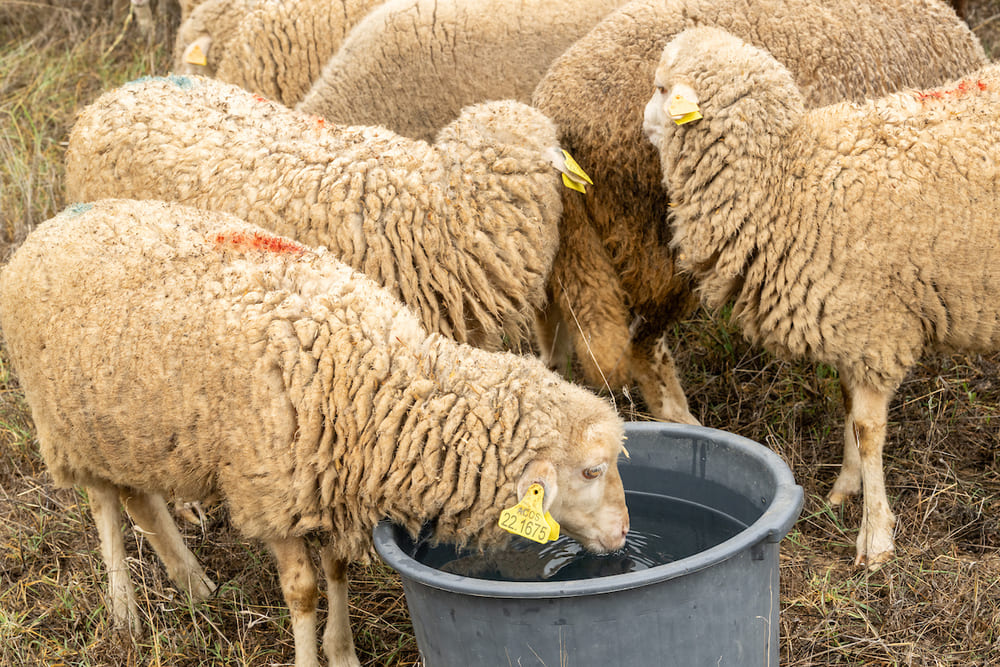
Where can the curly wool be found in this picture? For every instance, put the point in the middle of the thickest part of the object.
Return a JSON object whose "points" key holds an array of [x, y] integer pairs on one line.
{"points": [[615, 264], [279, 48], [185, 352], [412, 65], [463, 231], [857, 234]]}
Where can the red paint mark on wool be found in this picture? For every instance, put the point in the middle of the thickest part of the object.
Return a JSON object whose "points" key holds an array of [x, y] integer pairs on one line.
{"points": [[258, 241], [963, 88]]}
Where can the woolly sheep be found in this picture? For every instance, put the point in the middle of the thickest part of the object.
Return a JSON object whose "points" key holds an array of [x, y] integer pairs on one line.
{"points": [[208, 30], [856, 235], [614, 291], [164, 350], [463, 230], [412, 65], [280, 48]]}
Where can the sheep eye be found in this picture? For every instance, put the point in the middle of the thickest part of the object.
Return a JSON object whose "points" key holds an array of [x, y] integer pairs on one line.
{"points": [[593, 473], [663, 91]]}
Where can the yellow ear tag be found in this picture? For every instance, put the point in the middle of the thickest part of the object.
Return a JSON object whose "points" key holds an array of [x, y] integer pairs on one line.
{"points": [[196, 57], [683, 110], [579, 176], [527, 520]]}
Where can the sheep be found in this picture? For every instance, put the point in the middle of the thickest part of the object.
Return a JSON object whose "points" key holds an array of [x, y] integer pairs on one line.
{"points": [[280, 48], [412, 65], [857, 235], [462, 230], [203, 37], [614, 291], [166, 350]]}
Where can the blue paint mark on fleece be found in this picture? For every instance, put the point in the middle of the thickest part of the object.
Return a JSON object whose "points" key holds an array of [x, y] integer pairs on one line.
{"points": [[182, 82], [73, 210]]}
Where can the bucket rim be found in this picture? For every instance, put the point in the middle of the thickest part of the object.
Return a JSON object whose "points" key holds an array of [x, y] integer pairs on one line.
{"points": [[771, 527]]}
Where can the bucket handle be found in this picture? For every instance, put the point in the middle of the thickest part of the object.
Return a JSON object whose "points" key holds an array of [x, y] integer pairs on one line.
{"points": [[783, 512]]}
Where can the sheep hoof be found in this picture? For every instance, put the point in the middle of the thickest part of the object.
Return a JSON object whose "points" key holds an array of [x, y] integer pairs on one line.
{"points": [[201, 588], [129, 631], [873, 563], [191, 512], [837, 498]]}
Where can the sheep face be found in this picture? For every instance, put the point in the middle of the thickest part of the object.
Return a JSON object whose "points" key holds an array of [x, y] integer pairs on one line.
{"points": [[584, 491]]}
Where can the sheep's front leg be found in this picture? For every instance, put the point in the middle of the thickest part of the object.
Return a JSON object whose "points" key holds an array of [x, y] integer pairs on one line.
{"points": [[849, 480], [338, 641], [653, 367], [151, 516], [867, 421], [107, 515], [298, 584]]}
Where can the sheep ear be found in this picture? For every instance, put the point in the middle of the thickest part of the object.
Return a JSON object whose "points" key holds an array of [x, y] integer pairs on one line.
{"points": [[539, 471], [682, 104]]}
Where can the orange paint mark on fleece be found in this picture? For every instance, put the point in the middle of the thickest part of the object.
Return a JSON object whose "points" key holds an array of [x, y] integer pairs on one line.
{"points": [[258, 241], [963, 88]]}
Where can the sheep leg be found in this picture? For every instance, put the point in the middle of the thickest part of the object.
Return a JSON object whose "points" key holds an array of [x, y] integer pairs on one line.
{"points": [[107, 515], [849, 480], [554, 344], [338, 641], [592, 303], [868, 417], [151, 516], [298, 584], [654, 369]]}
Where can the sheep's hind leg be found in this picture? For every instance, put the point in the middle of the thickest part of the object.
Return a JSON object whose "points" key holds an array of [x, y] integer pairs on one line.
{"points": [[107, 515], [338, 641], [868, 417], [849, 480], [653, 367], [152, 518], [298, 584]]}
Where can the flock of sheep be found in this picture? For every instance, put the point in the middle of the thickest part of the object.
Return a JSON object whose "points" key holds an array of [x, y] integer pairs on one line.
{"points": [[306, 272]]}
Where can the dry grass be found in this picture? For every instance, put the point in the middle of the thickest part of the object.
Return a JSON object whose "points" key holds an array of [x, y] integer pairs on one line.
{"points": [[937, 603]]}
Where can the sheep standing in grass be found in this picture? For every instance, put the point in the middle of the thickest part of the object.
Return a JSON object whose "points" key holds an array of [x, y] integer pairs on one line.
{"points": [[280, 48], [462, 230], [614, 290], [166, 350], [412, 65], [857, 235]]}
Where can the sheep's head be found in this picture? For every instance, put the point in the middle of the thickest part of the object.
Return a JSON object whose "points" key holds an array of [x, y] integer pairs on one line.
{"points": [[583, 488], [741, 94], [719, 113]]}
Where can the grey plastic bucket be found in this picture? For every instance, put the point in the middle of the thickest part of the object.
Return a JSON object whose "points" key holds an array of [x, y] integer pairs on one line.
{"points": [[717, 607]]}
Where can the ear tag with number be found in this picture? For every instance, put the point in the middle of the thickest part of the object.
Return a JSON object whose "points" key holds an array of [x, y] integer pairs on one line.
{"points": [[527, 519]]}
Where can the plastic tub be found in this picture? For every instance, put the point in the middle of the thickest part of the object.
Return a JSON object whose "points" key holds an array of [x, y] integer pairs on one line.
{"points": [[716, 607]]}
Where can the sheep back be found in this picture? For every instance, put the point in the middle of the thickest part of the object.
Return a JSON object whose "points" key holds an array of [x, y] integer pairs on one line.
{"points": [[463, 231], [411, 65]]}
